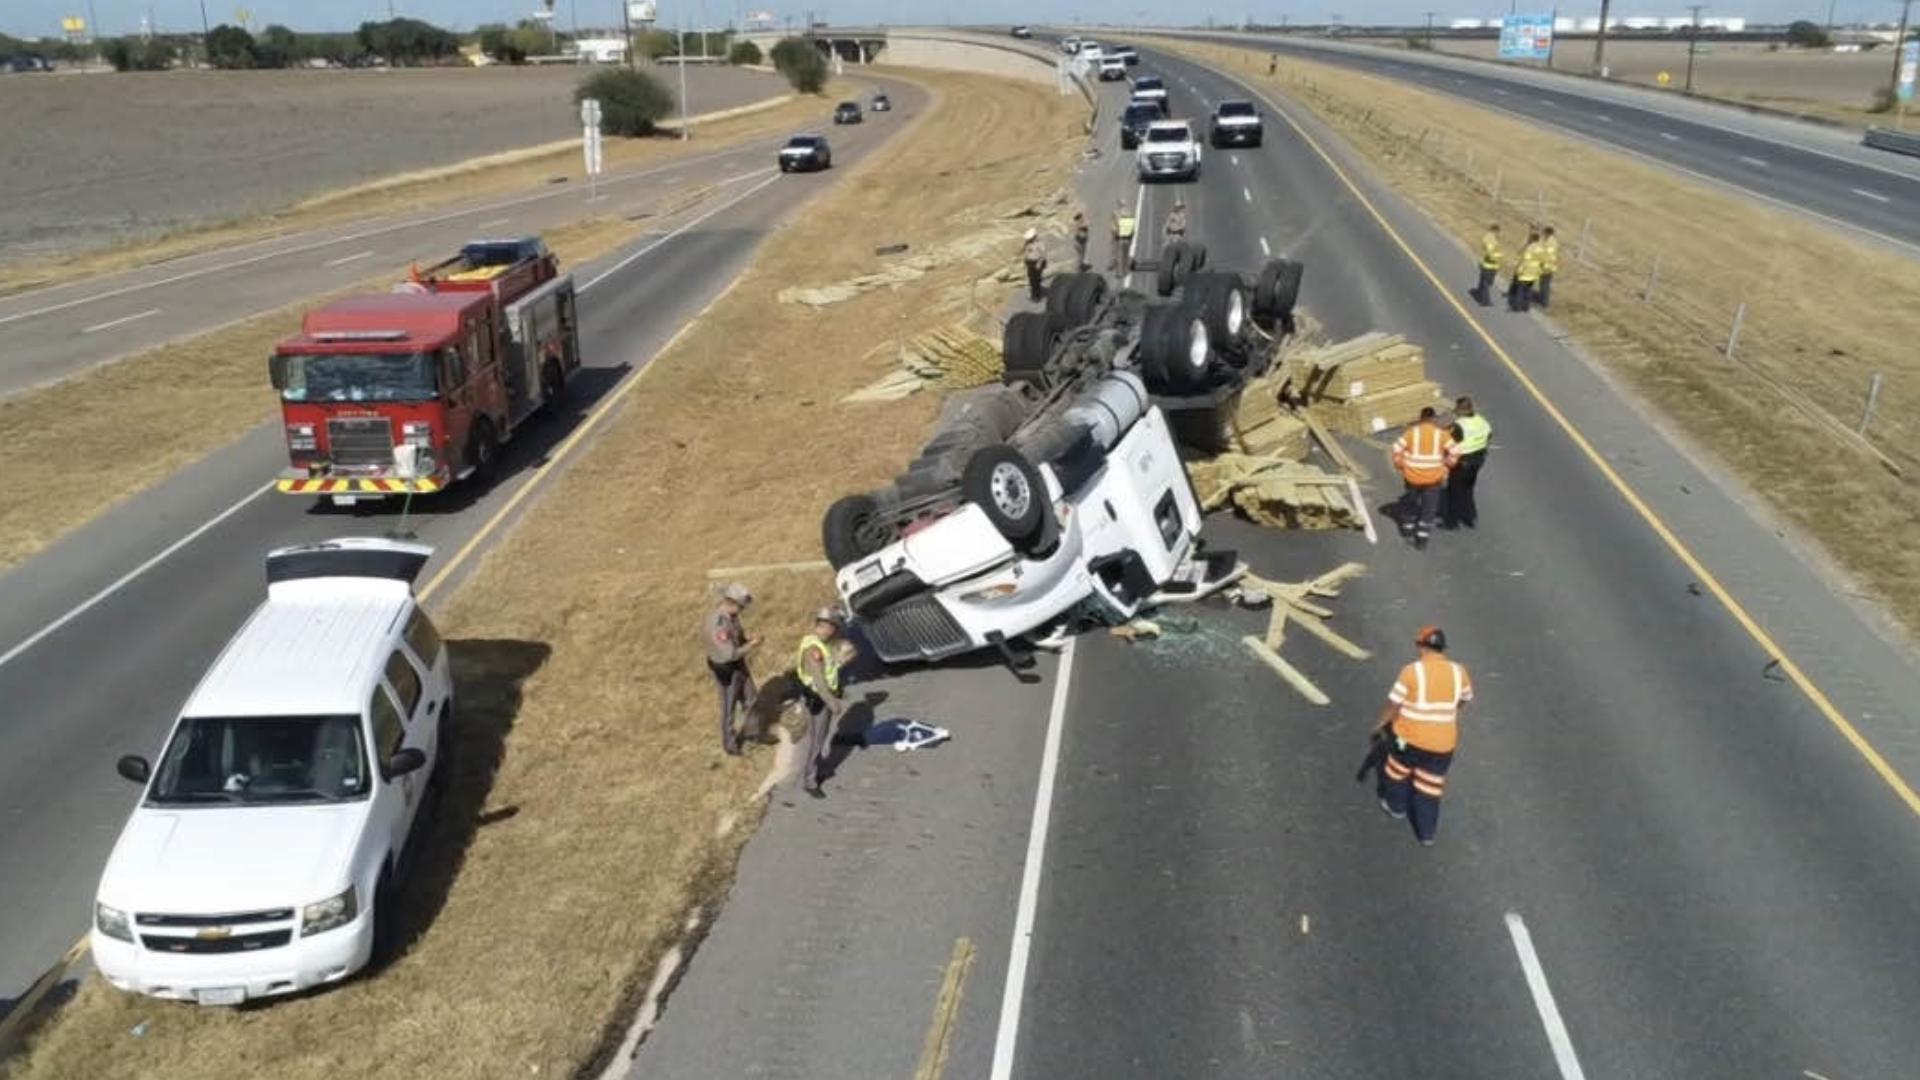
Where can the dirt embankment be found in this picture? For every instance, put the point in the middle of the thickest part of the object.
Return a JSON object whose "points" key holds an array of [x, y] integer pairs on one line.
{"points": [[591, 807], [1816, 325]]}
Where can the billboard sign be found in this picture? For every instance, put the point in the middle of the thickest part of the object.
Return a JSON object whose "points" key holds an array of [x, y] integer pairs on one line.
{"points": [[1526, 37], [1909, 66], [642, 11]]}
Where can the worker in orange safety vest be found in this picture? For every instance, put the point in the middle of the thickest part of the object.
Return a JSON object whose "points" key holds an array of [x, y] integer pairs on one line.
{"points": [[1422, 722], [1422, 454]]}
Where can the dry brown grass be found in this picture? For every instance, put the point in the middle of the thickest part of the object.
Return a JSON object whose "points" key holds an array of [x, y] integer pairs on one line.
{"points": [[1819, 321], [78, 446], [491, 176], [586, 708]]}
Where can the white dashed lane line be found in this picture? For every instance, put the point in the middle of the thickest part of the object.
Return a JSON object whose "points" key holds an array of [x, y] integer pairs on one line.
{"points": [[1874, 195], [1669, 136], [122, 321], [1264, 249], [1246, 194], [345, 259], [1753, 161]]}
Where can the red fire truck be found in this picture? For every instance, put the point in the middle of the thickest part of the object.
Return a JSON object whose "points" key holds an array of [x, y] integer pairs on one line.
{"points": [[411, 390]]}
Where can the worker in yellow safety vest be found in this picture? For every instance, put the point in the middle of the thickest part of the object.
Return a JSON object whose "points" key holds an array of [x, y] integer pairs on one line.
{"points": [[1421, 455], [1124, 225], [1549, 265], [1526, 275], [1422, 723], [1490, 256], [1471, 437], [817, 669]]}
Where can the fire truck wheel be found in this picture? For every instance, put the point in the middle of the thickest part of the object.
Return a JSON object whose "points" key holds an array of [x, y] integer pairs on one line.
{"points": [[1001, 481], [553, 386], [483, 449], [854, 528]]}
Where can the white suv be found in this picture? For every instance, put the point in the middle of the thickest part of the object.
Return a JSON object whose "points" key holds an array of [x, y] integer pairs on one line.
{"points": [[264, 854], [1168, 150]]}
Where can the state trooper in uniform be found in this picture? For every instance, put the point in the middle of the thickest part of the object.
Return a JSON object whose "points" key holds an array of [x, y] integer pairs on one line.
{"points": [[822, 654], [727, 649], [1123, 229]]}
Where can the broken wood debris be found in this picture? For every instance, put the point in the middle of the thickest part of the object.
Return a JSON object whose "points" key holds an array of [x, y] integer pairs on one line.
{"points": [[1276, 492], [946, 358], [1296, 602]]}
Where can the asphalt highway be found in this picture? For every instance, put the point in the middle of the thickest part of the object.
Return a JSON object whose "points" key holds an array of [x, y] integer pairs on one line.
{"points": [[102, 636], [1660, 856], [56, 331], [1803, 172]]}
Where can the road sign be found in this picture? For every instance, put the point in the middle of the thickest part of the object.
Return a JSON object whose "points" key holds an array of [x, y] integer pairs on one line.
{"points": [[590, 134], [1526, 37], [1909, 66]]}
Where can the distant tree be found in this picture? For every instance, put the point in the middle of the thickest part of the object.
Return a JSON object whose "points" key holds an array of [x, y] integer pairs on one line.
{"points": [[12, 46], [801, 63], [229, 48], [744, 53], [407, 41], [278, 47], [344, 50], [129, 54], [1807, 35], [654, 44], [498, 42], [631, 102]]}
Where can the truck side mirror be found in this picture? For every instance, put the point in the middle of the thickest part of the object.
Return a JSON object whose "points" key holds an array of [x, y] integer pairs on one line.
{"points": [[135, 768], [405, 760], [277, 371]]}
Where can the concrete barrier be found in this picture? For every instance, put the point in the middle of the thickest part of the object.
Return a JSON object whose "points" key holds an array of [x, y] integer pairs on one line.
{"points": [[959, 50]]}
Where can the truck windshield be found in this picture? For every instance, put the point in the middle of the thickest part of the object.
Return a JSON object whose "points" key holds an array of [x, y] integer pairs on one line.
{"points": [[262, 759], [1148, 82], [1236, 108], [1167, 135], [360, 377]]}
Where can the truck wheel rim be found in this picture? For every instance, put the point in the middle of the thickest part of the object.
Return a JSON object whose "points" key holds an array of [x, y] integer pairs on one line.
{"points": [[1236, 313], [1197, 345], [1012, 495]]}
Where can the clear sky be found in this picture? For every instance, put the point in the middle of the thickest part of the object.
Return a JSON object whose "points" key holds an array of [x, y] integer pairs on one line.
{"points": [[33, 18]]}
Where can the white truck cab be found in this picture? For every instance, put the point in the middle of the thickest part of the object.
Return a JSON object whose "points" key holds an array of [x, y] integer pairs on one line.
{"points": [[263, 856]]}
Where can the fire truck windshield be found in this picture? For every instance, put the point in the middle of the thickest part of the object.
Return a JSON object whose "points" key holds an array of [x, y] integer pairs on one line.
{"points": [[361, 377]]}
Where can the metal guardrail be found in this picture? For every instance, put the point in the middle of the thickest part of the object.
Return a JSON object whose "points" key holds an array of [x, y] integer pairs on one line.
{"points": [[1899, 142]]}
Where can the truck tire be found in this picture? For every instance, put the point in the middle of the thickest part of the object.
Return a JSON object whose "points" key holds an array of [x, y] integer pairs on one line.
{"points": [[483, 450], [1175, 349], [1066, 303], [1222, 300], [553, 387], [854, 529], [1003, 483], [1173, 268], [1087, 298], [1025, 346], [1277, 290]]}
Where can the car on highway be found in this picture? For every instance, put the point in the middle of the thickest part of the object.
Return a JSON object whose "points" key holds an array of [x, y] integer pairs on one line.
{"points": [[1070, 46], [1235, 123], [1091, 51], [1135, 120], [805, 153], [1169, 151], [1126, 53], [1157, 104], [1023, 31], [1112, 69], [265, 853], [881, 103], [848, 112], [1151, 87]]}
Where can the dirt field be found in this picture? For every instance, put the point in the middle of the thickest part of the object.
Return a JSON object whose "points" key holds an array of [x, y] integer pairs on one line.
{"points": [[109, 159], [1815, 331], [592, 810], [1838, 86]]}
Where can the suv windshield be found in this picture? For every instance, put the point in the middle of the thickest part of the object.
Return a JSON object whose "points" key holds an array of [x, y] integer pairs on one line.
{"points": [[262, 759], [360, 377], [1170, 134], [1235, 108], [1147, 82], [800, 142], [1141, 114]]}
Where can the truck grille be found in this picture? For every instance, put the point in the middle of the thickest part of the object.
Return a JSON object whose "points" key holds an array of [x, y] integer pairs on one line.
{"points": [[271, 939], [360, 440], [240, 918], [915, 629], [1164, 161]]}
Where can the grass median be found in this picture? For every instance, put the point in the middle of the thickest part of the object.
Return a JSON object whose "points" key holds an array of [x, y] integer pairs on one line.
{"points": [[591, 810], [1653, 291]]}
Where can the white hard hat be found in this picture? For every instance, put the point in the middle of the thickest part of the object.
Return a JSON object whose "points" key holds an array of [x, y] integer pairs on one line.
{"points": [[1033, 234]]}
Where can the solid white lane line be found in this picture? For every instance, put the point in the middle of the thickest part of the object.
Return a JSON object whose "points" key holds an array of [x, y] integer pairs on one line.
{"points": [[122, 581], [345, 259], [1016, 986], [628, 261], [504, 220], [1605, 117], [121, 321], [1133, 244], [1669, 136], [1874, 195], [1235, 158], [1501, 92], [1557, 1037], [1548, 102], [1246, 194], [1753, 161], [1264, 249]]}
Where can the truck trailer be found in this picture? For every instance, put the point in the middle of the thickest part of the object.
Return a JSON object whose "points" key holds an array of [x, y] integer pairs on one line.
{"points": [[408, 391]]}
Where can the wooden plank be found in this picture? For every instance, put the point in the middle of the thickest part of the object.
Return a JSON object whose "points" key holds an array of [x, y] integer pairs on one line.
{"points": [[1332, 448], [1327, 634], [1285, 670]]}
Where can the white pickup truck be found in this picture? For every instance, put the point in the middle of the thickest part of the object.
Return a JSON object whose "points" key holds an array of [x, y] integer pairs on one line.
{"points": [[1169, 150]]}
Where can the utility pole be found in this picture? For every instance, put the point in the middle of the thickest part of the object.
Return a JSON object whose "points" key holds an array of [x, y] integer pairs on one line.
{"points": [[1430, 16], [1830, 6], [682, 51], [1600, 42], [1693, 41], [1899, 47], [626, 20], [206, 53]]}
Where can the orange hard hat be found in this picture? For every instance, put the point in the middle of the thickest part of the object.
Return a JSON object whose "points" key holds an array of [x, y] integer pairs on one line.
{"points": [[1431, 637]]}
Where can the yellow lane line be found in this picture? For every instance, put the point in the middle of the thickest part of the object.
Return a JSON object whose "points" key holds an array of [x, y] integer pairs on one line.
{"points": [[946, 1010], [1660, 528]]}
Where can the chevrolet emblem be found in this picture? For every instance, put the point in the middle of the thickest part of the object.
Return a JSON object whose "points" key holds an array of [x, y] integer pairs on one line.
{"points": [[215, 933]]}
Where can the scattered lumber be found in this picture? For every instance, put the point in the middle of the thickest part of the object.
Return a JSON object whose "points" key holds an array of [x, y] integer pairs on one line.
{"points": [[1297, 602], [952, 357], [1275, 492]]}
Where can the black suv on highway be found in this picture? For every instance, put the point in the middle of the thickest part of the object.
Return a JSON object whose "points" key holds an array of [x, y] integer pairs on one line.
{"points": [[848, 112], [806, 152], [1133, 123]]}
